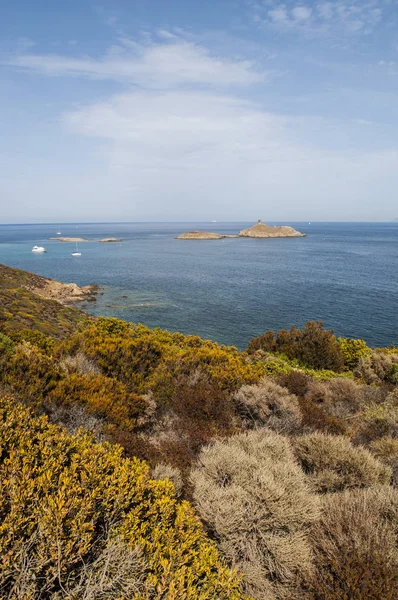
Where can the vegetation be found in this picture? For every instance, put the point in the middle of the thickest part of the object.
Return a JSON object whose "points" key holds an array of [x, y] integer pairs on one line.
{"points": [[139, 463]]}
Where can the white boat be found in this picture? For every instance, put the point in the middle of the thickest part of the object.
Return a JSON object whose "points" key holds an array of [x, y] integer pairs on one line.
{"points": [[76, 252], [38, 249], [58, 233]]}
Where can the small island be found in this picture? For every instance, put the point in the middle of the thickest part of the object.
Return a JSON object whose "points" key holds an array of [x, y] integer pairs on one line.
{"points": [[259, 230], [68, 239], [109, 240], [201, 235]]}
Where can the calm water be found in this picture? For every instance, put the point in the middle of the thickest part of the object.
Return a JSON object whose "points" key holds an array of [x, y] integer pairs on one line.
{"points": [[227, 290]]}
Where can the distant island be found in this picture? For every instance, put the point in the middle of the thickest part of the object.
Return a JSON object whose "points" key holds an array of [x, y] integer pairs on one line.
{"points": [[79, 239], [68, 239], [259, 230]]}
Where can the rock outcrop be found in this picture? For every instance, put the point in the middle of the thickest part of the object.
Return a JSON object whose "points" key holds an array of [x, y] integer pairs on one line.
{"points": [[109, 240], [68, 239], [261, 230]]}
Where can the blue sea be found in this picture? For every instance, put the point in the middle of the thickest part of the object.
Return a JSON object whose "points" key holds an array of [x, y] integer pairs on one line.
{"points": [[230, 290]]}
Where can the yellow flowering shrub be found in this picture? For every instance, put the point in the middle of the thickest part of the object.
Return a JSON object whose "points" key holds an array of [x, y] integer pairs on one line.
{"points": [[63, 496]]}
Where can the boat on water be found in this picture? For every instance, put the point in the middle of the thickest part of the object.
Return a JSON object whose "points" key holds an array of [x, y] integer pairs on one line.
{"points": [[58, 233], [77, 251], [38, 249]]}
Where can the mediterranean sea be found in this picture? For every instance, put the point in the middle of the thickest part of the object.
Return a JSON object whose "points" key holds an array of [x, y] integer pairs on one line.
{"points": [[229, 290]]}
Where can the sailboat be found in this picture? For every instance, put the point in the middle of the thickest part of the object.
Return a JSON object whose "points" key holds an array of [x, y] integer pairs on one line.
{"points": [[76, 252]]}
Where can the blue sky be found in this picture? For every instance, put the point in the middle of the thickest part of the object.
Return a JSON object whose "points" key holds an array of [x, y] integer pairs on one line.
{"points": [[144, 110]]}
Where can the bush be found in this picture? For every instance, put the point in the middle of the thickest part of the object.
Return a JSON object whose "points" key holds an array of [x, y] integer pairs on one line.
{"points": [[268, 404], [63, 499], [378, 367], [386, 450], [355, 545], [380, 420], [353, 351], [295, 381], [316, 418], [253, 497], [333, 464], [312, 346], [340, 397], [7, 346], [44, 342], [165, 471]]}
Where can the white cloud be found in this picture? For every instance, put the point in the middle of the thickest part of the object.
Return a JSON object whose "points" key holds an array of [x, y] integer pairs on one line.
{"points": [[163, 64], [334, 16]]}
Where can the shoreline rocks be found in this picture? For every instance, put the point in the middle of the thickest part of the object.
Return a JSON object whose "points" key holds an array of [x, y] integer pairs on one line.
{"points": [[65, 293], [200, 235], [110, 240]]}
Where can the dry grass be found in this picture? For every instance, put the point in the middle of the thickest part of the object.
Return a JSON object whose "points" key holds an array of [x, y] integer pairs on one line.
{"points": [[268, 404], [254, 498], [79, 363], [355, 545], [333, 464]]}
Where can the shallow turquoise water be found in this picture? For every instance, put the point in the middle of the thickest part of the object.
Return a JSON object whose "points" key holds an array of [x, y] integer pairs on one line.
{"points": [[230, 290]]}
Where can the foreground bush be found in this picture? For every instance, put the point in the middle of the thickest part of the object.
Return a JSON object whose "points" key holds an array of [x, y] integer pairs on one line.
{"points": [[356, 546], [68, 506], [333, 464], [254, 498], [268, 404]]}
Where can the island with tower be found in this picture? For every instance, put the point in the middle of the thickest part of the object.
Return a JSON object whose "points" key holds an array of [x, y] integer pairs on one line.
{"points": [[259, 230]]}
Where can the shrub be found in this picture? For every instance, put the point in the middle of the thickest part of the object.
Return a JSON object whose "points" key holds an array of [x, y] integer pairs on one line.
{"points": [[386, 450], [79, 364], [353, 351], [378, 367], [44, 342], [355, 545], [268, 404], [253, 497], [333, 464], [312, 346], [7, 346], [316, 418], [380, 420], [63, 498], [295, 381], [165, 471], [340, 397]]}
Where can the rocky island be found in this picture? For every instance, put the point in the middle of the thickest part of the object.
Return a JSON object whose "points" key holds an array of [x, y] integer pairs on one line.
{"points": [[201, 235], [109, 240], [259, 230]]}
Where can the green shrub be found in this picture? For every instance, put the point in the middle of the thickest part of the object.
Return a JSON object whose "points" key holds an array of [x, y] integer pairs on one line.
{"points": [[353, 351], [7, 346], [312, 346]]}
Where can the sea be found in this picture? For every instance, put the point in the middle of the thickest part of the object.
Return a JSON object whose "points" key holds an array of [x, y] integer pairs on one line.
{"points": [[229, 290]]}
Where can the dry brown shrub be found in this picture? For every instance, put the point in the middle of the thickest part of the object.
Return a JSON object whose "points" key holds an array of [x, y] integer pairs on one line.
{"points": [[316, 418], [268, 404], [333, 464], [386, 450], [295, 381], [166, 471], [254, 498], [355, 545], [80, 363], [377, 367]]}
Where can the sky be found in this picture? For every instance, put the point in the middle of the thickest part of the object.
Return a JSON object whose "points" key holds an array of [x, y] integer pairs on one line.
{"points": [[198, 110]]}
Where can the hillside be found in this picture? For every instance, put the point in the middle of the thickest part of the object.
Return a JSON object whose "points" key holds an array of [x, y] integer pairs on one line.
{"points": [[280, 462], [28, 301]]}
